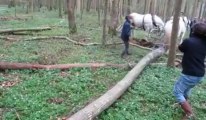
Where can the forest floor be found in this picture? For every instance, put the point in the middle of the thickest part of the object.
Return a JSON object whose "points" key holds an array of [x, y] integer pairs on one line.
{"points": [[48, 95]]}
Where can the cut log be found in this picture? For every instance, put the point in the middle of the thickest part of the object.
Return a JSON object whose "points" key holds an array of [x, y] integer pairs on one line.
{"points": [[15, 66], [7, 38], [103, 102], [61, 37], [9, 31]]}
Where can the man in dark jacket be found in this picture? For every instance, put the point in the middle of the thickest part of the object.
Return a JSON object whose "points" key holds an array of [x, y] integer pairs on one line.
{"points": [[125, 35], [194, 49]]}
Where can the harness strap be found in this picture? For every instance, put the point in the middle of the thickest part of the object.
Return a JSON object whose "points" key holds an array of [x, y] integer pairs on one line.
{"points": [[143, 23], [153, 20], [184, 22]]}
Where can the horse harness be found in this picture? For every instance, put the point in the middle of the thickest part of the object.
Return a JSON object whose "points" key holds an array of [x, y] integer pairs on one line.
{"points": [[186, 23], [153, 22]]}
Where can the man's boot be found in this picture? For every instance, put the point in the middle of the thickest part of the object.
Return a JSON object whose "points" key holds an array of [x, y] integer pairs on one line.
{"points": [[122, 55], [188, 111], [128, 53]]}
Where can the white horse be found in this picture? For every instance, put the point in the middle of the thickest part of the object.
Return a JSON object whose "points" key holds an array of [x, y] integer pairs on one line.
{"points": [[184, 23], [147, 21]]}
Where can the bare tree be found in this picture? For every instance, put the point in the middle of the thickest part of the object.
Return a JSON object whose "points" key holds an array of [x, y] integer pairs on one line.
{"points": [[60, 8], [194, 12], [88, 5], [98, 10], [147, 6], [183, 6], [114, 18], [11, 3], [128, 6], [172, 49], [71, 16], [104, 23], [78, 6], [169, 9], [153, 6]]}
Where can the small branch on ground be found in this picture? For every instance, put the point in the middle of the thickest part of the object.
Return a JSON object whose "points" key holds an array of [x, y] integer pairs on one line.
{"points": [[6, 38]]}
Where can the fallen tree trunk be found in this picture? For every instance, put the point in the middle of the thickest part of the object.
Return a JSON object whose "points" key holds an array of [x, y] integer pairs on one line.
{"points": [[103, 102], [15, 66], [62, 37], [9, 31]]}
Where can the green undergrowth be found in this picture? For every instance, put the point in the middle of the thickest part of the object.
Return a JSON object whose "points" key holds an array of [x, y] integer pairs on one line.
{"points": [[44, 95], [55, 51], [151, 98]]}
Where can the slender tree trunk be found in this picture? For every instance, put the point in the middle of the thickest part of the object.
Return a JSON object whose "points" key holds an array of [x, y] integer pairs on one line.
{"points": [[172, 50], [202, 10], [194, 12], [153, 7], [104, 23], [82, 8], [88, 5], [147, 6], [165, 10], [11, 3], [183, 6], [39, 2], [128, 7], [114, 18], [60, 8], [120, 8], [15, 7], [98, 11], [71, 16], [169, 10], [198, 9], [79, 7]]}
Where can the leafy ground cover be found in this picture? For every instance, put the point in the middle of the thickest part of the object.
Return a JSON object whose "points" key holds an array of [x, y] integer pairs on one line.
{"points": [[46, 95], [151, 98]]}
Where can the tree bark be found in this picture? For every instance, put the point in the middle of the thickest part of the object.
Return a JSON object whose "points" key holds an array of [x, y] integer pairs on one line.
{"points": [[71, 16], [153, 7], [198, 9], [175, 26], [183, 6], [104, 23], [165, 10], [78, 7], [147, 6], [21, 66], [195, 5], [113, 18], [106, 100], [88, 5], [128, 7], [11, 3], [98, 11], [9, 31], [169, 9], [202, 10], [60, 8]]}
